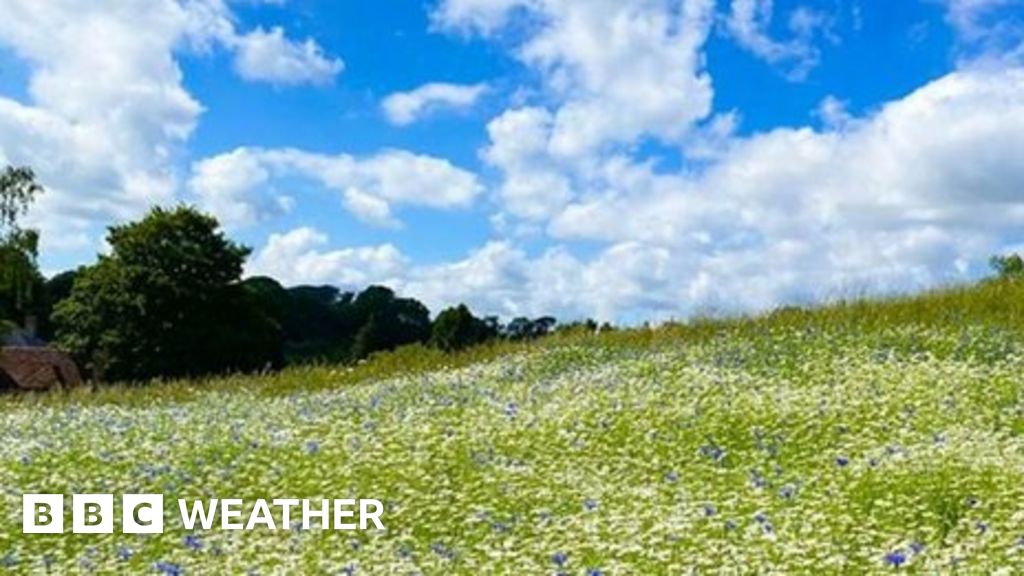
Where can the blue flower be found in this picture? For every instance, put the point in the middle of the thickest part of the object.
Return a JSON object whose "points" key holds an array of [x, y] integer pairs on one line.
{"points": [[559, 558], [169, 568], [672, 477], [193, 543], [312, 447], [595, 572], [124, 553], [842, 461], [917, 548], [787, 491], [709, 510], [896, 558], [590, 504]]}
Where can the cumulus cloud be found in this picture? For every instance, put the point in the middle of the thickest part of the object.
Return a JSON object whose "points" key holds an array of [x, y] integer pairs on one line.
{"points": [[106, 115], [749, 21], [234, 186], [298, 257], [907, 197], [917, 194], [616, 72], [404, 108], [269, 56]]}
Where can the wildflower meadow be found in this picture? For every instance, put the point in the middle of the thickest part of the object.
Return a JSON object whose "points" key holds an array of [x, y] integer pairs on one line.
{"points": [[819, 443]]}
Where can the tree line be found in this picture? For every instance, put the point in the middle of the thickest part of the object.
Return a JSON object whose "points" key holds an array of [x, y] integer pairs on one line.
{"points": [[168, 300]]}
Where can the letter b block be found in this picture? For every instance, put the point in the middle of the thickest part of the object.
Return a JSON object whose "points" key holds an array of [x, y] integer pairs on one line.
{"points": [[42, 514], [92, 513]]}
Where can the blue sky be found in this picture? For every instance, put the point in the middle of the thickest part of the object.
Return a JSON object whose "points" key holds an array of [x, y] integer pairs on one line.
{"points": [[628, 160]]}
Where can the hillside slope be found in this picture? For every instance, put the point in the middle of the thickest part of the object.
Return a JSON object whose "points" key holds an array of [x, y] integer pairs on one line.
{"points": [[856, 438]]}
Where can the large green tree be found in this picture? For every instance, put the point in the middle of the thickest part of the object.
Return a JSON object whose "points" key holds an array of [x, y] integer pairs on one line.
{"points": [[457, 328], [167, 301], [20, 281], [385, 321]]}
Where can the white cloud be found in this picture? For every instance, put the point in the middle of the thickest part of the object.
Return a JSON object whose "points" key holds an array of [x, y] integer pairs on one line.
{"points": [[404, 108], [234, 186], [969, 16], [298, 257], [106, 115], [833, 113], [748, 23], [917, 194], [900, 199], [616, 72], [269, 56], [988, 29]]}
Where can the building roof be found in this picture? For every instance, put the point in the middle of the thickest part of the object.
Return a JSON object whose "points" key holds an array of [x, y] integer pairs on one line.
{"points": [[19, 338]]}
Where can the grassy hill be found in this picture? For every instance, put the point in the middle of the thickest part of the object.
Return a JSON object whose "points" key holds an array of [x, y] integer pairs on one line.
{"points": [[862, 437]]}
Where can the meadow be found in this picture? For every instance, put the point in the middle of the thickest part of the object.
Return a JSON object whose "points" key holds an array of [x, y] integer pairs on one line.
{"points": [[863, 437]]}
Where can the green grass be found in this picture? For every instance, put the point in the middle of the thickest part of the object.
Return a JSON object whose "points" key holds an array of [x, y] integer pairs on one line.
{"points": [[804, 441]]}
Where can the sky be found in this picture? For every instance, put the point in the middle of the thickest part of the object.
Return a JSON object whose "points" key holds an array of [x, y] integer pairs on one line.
{"points": [[626, 160]]}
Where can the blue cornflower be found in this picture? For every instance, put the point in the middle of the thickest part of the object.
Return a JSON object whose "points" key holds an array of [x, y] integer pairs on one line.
{"points": [[672, 477], [312, 447], [559, 558], [124, 553], [595, 572], [842, 461], [982, 527], [193, 543], [590, 504], [168, 568], [896, 558], [709, 510], [787, 491], [917, 548]]}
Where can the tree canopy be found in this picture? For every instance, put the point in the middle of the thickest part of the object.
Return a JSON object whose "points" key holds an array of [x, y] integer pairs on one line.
{"points": [[166, 302], [457, 328], [20, 280]]}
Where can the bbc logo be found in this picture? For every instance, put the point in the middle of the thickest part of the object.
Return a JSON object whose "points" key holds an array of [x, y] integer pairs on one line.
{"points": [[92, 514]]}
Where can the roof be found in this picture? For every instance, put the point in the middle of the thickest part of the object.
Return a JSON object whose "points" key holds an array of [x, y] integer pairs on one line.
{"points": [[19, 338]]}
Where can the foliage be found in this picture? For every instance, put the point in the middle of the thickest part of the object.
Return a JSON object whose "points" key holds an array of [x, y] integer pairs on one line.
{"points": [[20, 281], [527, 329], [456, 329], [386, 321], [166, 302], [1008, 267]]}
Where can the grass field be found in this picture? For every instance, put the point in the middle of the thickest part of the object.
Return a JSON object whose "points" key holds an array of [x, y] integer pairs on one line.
{"points": [[864, 437]]}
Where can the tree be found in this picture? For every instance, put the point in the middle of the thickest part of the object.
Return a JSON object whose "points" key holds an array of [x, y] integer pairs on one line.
{"points": [[384, 321], [527, 329], [166, 302], [457, 329], [1008, 267], [20, 281]]}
